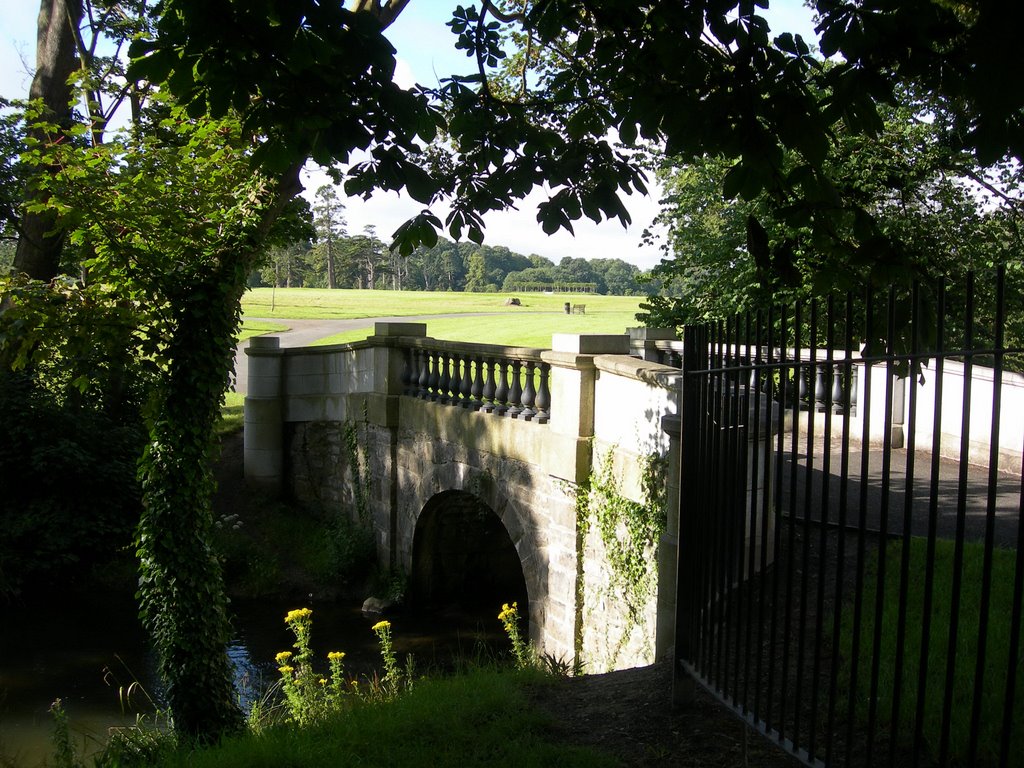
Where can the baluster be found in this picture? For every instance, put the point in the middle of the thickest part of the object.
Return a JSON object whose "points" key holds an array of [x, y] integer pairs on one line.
{"points": [[466, 385], [544, 395], [434, 384], [837, 391], [476, 389], [819, 388], [529, 393], [408, 366], [515, 394], [443, 394], [488, 405], [424, 370], [801, 388], [501, 393], [854, 375], [455, 383]]}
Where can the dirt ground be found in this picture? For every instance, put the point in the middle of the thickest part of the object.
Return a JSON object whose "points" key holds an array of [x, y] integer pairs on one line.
{"points": [[629, 715]]}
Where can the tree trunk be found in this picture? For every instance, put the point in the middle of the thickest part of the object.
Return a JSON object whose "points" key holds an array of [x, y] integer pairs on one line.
{"points": [[39, 244], [181, 585]]}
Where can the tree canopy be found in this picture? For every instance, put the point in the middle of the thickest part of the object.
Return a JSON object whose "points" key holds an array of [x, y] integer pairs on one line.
{"points": [[702, 79]]}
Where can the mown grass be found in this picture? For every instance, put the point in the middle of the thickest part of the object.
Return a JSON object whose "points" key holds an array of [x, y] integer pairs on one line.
{"points": [[525, 330], [483, 717], [232, 415], [299, 303], [996, 652], [252, 328]]}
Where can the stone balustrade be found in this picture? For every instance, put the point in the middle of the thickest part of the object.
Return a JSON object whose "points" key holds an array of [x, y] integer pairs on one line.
{"points": [[514, 382]]}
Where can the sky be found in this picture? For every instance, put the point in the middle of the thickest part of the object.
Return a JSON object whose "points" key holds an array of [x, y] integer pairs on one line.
{"points": [[426, 53]]}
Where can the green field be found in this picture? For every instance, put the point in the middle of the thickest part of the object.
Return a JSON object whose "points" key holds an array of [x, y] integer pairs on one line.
{"points": [[298, 303], [528, 325]]}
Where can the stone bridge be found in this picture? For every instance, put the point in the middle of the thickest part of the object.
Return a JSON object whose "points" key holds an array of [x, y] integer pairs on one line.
{"points": [[492, 473]]}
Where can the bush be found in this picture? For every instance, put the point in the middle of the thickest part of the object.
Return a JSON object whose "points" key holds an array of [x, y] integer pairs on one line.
{"points": [[68, 487]]}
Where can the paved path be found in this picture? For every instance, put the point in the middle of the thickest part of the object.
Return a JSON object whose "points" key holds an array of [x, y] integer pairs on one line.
{"points": [[302, 333]]}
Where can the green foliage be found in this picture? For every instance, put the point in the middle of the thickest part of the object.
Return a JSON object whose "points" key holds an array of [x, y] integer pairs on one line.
{"points": [[630, 530], [909, 187], [523, 654], [64, 751], [70, 501], [308, 696]]}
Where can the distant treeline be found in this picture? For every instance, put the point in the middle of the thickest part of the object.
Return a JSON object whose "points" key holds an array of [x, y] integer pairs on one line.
{"points": [[364, 261]]}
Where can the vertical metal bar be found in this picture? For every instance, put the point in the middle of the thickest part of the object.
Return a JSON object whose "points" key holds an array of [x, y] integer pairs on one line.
{"points": [[961, 514], [862, 514], [883, 525], [933, 516], [766, 516], [688, 545], [773, 634], [704, 489], [708, 501], [908, 517], [791, 537], [806, 534], [729, 633], [1012, 662], [721, 502], [715, 490], [825, 504], [750, 526], [990, 518], [844, 475]]}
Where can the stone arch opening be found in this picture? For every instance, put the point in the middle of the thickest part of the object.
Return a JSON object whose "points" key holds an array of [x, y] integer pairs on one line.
{"points": [[463, 557]]}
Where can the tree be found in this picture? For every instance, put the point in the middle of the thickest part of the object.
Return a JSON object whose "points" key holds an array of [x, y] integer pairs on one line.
{"points": [[918, 191], [329, 221]]}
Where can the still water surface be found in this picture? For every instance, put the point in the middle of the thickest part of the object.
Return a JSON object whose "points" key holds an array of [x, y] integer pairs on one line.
{"points": [[87, 652]]}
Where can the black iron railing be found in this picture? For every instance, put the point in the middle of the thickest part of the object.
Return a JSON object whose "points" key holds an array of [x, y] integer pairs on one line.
{"points": [[864, 606]]}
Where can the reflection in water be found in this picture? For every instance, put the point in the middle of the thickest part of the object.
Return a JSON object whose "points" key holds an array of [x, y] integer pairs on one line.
{"points": [[88, 652]]}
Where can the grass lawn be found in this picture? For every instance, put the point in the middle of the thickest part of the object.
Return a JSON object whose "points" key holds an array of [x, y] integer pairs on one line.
{"points": [[231, 414], [252, 328], [996, 652], [299, 303], [526, 330]]}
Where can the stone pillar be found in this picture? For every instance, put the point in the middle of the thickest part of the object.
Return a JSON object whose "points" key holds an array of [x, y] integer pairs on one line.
{"points": [[573, 375], [642, 342], [264, 414]]}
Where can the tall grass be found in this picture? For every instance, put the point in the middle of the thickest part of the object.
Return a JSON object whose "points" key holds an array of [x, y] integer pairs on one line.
{"points": [[996, 652], [480, 718]]}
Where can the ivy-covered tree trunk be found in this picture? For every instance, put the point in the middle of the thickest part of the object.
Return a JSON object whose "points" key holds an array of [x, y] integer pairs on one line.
{"points": [[181, 584]]}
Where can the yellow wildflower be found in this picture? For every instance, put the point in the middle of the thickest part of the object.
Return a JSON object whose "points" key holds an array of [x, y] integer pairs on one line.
{"points": [[381, 625], [286, 670], [323, 681], [298, 615], [283, 657], [336, 655]]}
